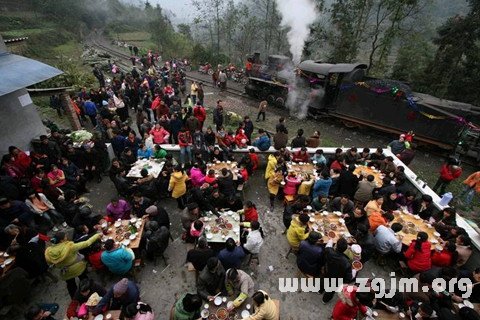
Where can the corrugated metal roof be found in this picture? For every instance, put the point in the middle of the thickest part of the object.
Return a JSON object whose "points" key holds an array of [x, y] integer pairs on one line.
{"points": [[17, 72]]}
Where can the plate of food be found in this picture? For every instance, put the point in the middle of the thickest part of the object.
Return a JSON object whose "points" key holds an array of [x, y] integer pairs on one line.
{"points": [[417, 217], [132, 236], [217, 301], [229, 226], [126, 242], [215, 230], [222, 314], [357, 265], [99, 317], [245, 314], [209, 236], [434, 241], [331, 234], [117, 224], [337, 213], [133, 220], [436, 234], [333, 226]]}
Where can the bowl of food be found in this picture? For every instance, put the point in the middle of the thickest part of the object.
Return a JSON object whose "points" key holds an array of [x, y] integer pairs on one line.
{"points": [[222, 314], [117, 224], [337, 213], [436, 234], [229, 226], [126, 242], [417, 217], [357, 265], [205, 313], [133, 220], [209, 236], [333, 226], [217, 301], [245, 314], [331, 234], [132, 236]]}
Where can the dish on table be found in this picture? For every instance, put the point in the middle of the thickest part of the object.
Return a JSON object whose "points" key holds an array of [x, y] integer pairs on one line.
{"points": [[331, 234], [245, 313], [132, 236], [117, 224], [8, 261], [357, 265], [222, 314], [217, 301], [126, 242], [209, 236], [229, 226], [99, 317], [436, 234]]}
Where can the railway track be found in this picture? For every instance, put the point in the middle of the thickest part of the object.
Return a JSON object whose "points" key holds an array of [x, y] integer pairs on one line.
{"points": [[126, 67]]}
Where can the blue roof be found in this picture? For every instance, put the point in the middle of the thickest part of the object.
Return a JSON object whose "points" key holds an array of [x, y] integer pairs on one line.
{"points": [[17, 72]]}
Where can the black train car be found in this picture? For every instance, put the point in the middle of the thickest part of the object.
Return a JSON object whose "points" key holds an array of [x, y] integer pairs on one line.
{"points": [[386, 105]]}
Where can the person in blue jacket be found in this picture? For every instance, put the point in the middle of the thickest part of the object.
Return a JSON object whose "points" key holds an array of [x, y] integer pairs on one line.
{"points": [[117, 259], [322, 186], [144, 152], [122, 294], [232, 255], [262, 142]]}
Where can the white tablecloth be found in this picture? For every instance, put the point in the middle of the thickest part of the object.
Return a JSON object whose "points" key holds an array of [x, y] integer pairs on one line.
{"points": [[154, 168]]}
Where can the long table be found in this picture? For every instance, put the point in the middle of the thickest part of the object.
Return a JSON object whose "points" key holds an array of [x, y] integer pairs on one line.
{"points": [[120, 235], [416, 225], [154, 168], [219, 232]]}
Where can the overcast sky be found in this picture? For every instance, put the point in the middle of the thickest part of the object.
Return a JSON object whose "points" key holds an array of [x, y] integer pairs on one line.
{"points": [[183, 9]]}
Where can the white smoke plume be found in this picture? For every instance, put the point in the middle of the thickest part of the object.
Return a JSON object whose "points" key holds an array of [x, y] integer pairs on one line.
{"points": [[298, 15]]}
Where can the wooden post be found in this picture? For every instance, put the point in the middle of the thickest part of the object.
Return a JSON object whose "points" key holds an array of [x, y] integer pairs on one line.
{"points": [[70, 112]]}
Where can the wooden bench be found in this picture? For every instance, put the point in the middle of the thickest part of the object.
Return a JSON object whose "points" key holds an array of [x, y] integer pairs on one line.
{"points": [[277, 304]]}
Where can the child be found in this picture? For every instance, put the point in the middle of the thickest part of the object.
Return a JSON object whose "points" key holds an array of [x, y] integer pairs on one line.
{"points": [[254, 159], [196, 230], [211, 179]]}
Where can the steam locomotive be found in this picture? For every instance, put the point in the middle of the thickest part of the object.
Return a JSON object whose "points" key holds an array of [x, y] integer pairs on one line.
{"points": [[345, 92]]}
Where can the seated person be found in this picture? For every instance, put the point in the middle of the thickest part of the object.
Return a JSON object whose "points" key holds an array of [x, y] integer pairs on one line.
{"points": [[158, 214], [118, 209], [189, 215], [196, 230], [305, 187], [386, 239], [140, 204], [239, 285], [211, 279], [144, 152], [418, 254], [374, 205], [424, 207], [86, 288], [356, 218], [118, 297], [301, 155], [342, 204], [298, 230], [318, 158], [447, 257], [139, 311], [232, 203], [321, 203], [95, 256], [379, 219], [232, 255], [264, 307], [310, 258], [117, 258], [44, 311], [387, 166], [156, 239], [291, 184], [226, 185], [188, 307], [254, 239], [199, 255]]}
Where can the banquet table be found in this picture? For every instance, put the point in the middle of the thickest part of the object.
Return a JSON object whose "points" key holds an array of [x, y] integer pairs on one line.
{"points": [[219, 231], [235, 313], [111, 233], [365, 171], [154, 168], [301, 168], [219, 165], [330, 224], [412, 225], [115, 315]]}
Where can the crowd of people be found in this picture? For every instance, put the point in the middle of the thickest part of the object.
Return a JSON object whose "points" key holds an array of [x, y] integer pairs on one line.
{"points": [[42, 200]]}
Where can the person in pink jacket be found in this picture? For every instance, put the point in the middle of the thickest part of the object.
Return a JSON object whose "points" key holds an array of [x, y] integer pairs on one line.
{"points": [[196, 176], [159, 134], [291, 183], [139, 311]]}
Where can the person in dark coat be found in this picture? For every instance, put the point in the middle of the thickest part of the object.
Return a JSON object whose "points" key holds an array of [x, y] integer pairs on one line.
{"points": [[199, 255], [348, 182], [226, 185], [211, 279], [337, 265], [156, 239], [248, 128], [310, 257], [158, 214], [232, 255], [355, 218], [299, 141], [86, 288], [218, 117], [342, 204], [16, 212], [92, 168], [424, 207], [123, 293]]}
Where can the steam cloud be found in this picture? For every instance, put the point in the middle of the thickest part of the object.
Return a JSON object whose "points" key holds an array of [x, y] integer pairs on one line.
{"points": [[297, 16]]}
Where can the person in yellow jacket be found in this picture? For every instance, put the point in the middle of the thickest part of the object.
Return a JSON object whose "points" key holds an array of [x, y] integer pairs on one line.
{"points": [[64, 254], [271, 164], [265, 308], [273, 185], [178, 186], [472, 186], [298, 230], [306, 186], [194, 91]]}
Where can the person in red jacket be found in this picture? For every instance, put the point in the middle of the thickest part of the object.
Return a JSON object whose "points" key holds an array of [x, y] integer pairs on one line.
{"points": [[155, 105], [211, 179], [446, 257], [241, 139], [418, 254], [254, 159], [20, 159], [448, 172], [350, 302], [250, 212], [185, 143], [301, 155], [200, 113]]}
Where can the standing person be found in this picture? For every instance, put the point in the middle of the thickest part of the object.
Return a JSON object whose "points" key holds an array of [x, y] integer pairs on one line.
{"points": [[185, 143], [218, 115], [248, 128], [99, 75], [200, 93], [200, 113], [91, 111], [262, 108], [448, 172], [178, 186], [222, 79], [194, 91], [64, 255], [472, 186]]}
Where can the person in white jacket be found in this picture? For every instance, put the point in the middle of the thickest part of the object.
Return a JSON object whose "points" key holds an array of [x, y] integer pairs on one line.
{"points": [[39, 204], [254, 239]]}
